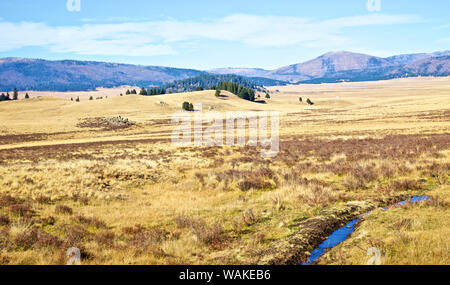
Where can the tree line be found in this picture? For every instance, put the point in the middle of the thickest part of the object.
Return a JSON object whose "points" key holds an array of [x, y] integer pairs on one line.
{"points": [[206, 81], [237, 89], [15, 96]]}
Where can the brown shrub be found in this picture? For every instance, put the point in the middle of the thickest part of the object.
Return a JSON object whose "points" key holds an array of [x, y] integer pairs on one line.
{"points": [[4, 220], [21, 210], [76, 235], [249, 218], [47, 240], [95, 222], [8, 200], [62, 209], [44, 199], [316, 195], [183, 222], [137, 229], [365, 174], [50, 220], [406, 184], [105, 238], [148, 238], [212, 236], [387, 171], [353, 184], [26, 239], [264, 172], [255, 183]]}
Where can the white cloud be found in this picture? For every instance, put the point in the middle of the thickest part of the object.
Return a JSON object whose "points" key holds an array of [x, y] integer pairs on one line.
{"points": [[151, 38], [444, 41]]}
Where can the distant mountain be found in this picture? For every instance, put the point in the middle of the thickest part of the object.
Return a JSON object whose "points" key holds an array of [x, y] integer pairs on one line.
{"points": [[249, 72], [348, 66], [65, 75], [433, 66], [71, 75], [327, 64]]}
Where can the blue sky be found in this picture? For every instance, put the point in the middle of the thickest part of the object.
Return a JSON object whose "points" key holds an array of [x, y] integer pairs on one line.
{"points": [[207, 34]]}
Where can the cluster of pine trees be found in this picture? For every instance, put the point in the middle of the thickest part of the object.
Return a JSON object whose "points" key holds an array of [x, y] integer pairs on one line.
{"points": [[152, 91], [206, 81], [133, 91], [239, 90], [15, 96]]}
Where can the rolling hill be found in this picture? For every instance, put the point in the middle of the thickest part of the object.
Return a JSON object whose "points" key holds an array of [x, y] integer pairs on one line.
{"points": [[72, 75], [348, 66]]}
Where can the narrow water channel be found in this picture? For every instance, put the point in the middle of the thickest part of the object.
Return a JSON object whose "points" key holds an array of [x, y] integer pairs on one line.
{"points": [[343, 233]]}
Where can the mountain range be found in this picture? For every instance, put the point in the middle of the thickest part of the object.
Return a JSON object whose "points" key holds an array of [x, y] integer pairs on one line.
{"points": [[348, 66], [72, 75]]}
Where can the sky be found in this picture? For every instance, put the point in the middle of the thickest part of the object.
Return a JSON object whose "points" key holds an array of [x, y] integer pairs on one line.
{"points": [[205, 34]]}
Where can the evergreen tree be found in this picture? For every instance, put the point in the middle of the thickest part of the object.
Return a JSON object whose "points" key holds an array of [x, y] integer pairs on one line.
{"points": [[2, 97], [7, 98], [217, 93], [309, 102], [267, 96], [185, 106], [128, 92], [143, 92], [133, 92], [27, 96], [78, 99], [91, 98], [15, 94], [191, 107], [300, 99]]}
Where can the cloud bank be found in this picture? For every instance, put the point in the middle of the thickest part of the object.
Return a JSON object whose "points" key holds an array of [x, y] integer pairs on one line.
{"points": [[152, 38]]}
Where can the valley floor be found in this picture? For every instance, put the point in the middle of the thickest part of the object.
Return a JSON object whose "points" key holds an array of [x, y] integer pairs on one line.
{"points": [[124, 194]]}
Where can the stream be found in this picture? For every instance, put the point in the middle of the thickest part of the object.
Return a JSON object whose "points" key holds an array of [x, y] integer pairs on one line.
{"points": [[340, 235]]}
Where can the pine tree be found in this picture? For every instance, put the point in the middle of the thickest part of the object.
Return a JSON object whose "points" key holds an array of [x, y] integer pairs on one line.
{"points": [[7, 98], [300, 99], [91, 98], [78, 99], [15, 94], [27, 96], [267, 96], [143, 92], [309, 102], [133, 91], [191, 107], [2, 97], [128, 92], [217, 93]]}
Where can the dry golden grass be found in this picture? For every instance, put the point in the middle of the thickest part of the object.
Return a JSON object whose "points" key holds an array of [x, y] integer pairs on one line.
{"points": [[128, 196]]}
